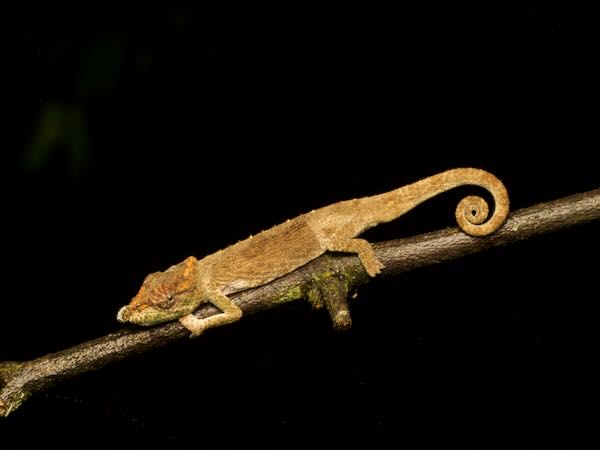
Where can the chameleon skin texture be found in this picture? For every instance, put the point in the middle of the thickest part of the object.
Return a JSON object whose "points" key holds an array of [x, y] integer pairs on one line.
{"points": [[273, 253]]}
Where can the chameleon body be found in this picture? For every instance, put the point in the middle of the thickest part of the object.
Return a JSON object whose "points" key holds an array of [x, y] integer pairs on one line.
{"points": [[175, 293]]}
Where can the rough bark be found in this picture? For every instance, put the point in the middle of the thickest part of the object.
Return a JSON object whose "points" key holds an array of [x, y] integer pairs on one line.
{"points": [[19, 380]]}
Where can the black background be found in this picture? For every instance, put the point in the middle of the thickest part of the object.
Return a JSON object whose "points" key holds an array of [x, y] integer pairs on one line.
{"points": [[204, 123]]}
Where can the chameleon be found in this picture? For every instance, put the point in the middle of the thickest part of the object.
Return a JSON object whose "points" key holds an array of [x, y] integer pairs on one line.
{"points": [[175, 293]]}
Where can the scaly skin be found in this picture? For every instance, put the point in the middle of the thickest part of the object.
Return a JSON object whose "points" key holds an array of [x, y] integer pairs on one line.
{"points": [[273, 253]]}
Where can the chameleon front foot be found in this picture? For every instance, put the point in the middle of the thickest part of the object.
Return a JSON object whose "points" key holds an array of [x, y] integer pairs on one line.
{"points": [[231, 313], [194, 325]]}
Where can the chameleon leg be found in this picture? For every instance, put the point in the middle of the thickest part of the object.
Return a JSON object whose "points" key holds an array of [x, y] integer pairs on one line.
{"points": [[364, 250], [231, 313]]}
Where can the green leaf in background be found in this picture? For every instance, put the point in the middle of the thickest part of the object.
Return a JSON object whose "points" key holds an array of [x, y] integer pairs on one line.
{"points": [[60, 128]]}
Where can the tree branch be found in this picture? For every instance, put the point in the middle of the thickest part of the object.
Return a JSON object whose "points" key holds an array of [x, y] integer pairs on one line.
{"points": [[19, 380]]}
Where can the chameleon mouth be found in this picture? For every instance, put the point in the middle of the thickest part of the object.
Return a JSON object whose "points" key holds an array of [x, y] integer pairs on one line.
{"points": [[123, 314]]}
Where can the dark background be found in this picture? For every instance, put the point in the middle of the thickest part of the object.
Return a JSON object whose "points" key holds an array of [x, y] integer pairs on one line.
{"points": [[135, 136]]}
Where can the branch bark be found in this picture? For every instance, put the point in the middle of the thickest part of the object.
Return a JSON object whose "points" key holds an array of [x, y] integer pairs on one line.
{"points": [[19, 380]]}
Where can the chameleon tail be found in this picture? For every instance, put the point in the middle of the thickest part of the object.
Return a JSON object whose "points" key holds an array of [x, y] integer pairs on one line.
{"points": [[472, 211]]}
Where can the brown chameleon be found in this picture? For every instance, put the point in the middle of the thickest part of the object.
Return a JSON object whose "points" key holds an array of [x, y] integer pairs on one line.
{"points": [[273, 253]]}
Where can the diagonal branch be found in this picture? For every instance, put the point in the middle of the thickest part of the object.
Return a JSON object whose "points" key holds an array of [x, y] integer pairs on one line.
{"points": [[19, 380]]}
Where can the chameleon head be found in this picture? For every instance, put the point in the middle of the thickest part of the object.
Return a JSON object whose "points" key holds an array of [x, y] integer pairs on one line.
{"points": [[164, 296]]}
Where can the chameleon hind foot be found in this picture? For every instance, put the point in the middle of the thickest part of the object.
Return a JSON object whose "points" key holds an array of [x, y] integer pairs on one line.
{"points": [[364, 251]]}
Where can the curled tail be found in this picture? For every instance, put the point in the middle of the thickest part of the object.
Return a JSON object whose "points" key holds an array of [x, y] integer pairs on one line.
{"points": [[352, 217], [472, 211]]}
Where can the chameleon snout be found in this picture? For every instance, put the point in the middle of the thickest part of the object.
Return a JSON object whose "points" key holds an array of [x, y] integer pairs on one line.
{"points": [[145, 315], [123, 314]]}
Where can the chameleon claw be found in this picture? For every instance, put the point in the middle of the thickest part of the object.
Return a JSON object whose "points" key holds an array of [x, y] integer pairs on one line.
{"points": [[373, 267], [194, 335]]}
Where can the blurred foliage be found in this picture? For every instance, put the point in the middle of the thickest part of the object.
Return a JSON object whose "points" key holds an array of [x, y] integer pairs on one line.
{"points": [[61, 129]]}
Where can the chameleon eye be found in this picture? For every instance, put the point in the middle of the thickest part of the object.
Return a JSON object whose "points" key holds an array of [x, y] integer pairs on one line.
{"points": [[165, 302]]}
